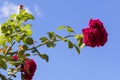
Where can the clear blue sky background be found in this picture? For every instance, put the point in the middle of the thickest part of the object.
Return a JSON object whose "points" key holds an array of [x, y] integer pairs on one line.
{"points": [[93, 63]]}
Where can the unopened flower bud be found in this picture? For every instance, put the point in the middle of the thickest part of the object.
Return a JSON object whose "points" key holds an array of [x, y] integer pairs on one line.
{"points": [[21, 6]]}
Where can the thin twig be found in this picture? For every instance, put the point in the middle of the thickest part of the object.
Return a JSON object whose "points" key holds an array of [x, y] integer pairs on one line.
{"points": [[69, 36], [10, 48], [12, 53]]}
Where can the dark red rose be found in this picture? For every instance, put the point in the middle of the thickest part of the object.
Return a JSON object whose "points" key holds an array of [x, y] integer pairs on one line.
{"points": [[15, 57], [28, 69], [95, 34], [97, 24]]}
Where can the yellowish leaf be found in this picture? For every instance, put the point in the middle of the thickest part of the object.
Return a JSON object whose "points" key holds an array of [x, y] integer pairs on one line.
{"points": [[5, 50], [20, 48], [1, 50]]}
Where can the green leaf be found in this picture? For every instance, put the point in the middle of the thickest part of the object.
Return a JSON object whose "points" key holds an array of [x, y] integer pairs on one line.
{"points": [[60, 28], [2, 40], [80, 42], [33, 51], [44, 56], [77, 49], [52, 35], [25, 47], [28, 32], [69, 29], [3, 64], [70, 44], [29, 41], [15, 62], [17, 38], [20, 17], [21, 53], [30, 16], [12, 72], [78, 36], [26, 26], [13, 16], [4, 28], [9, 39], [44, 40], [51, 44], [2, 77], [23, 11], [27, 54], [27, 29], [62, 38]]}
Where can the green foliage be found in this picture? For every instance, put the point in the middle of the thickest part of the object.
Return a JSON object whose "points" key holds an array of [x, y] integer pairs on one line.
{"points": [[25, 47], [49, 42], [28, 41], [26, 29], [67, 28], [70, 44], [24, 16], [2, 77], [16, 30], [79, 38], [52, 36], [44, 40], [27, 54], [60, 27], [2, 40], [77, 49], [3, 64], [61, 38], [12, 71], [44, 56]]}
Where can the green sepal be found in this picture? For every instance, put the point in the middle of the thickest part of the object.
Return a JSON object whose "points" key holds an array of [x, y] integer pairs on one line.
{"points": [[77, 49]]}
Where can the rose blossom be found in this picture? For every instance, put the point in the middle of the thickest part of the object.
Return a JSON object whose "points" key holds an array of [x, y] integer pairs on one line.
{"points": [[96, 24], [28, 69], [95, 34], [15, 57]]}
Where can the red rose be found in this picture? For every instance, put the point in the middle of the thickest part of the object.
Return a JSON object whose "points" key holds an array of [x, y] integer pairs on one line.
{"points": [[28, 69], [15, 57], [95, 34], [97, 24]]}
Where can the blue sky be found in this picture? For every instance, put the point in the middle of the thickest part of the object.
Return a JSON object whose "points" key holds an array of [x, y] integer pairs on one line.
{"points": [[93, 63]]}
